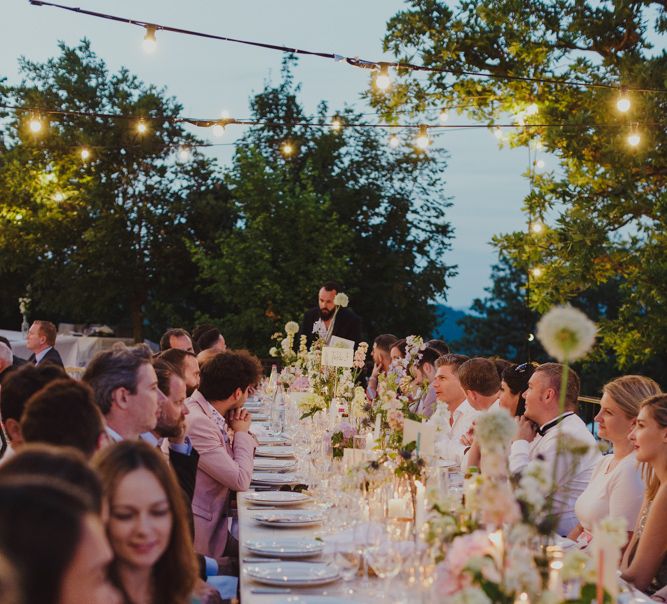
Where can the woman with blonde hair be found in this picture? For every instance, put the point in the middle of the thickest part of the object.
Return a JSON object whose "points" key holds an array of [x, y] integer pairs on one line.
{"points": [[616, 488], [147, 528], [644, 563]]}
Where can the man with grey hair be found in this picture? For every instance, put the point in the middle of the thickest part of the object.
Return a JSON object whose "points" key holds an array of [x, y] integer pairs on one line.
{"points": [[126, 390]]}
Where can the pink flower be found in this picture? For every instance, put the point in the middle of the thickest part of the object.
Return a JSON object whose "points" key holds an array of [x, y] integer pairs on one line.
{"points": [[465, 547], [395, 419]]}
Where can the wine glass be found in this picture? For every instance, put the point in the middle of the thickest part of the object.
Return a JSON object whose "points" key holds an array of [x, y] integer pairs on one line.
{"points": [[346, 558]]}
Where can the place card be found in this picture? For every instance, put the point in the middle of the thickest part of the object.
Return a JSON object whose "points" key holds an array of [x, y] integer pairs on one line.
{"points": [[338, 342], [421, 432], [337, 357]]}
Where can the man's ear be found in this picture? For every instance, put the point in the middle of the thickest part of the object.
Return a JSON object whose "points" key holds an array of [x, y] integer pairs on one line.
{"points": [[119, 397], [13, 430]]}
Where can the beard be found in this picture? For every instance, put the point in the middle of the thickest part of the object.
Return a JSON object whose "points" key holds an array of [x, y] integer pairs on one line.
{"points": [[326, 314], [167, 430]]}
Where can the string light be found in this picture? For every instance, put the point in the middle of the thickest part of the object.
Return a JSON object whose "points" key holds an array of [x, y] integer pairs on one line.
{"points": [[394, 141], [58, 197], [336, 124], [383, 79], [218, 130], [623, 103], [183, 154], [498, 133], [537, 272], [287, 149], [35, 124], [150, 43], [531, 337], [537, 227], [422, 141], [539, 164], [443, 117], [142, 128], [634, 138], [85, 154]]}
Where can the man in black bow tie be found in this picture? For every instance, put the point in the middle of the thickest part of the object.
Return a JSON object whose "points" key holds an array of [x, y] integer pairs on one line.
{"points": [[41, 341]]}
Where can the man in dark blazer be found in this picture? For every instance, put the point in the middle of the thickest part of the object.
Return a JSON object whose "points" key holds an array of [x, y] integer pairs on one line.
{"points": [[345, 323], [41, 341]]}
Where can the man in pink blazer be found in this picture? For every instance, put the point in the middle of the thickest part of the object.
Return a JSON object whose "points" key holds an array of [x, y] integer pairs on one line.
{"points": [[218, 428]]}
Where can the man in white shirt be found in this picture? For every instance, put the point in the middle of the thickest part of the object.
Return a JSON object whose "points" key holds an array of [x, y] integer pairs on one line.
{"points": [[481, 383], [454, 415], [573, 472]]}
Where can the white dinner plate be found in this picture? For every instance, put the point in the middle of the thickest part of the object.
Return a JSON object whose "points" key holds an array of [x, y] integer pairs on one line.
{"points": [[289, 518], [267, 439], [276, 498], [276, 478], [268, 463], [292, 574], [274, 451], [285, 547], [259, 417], [307, 599]]}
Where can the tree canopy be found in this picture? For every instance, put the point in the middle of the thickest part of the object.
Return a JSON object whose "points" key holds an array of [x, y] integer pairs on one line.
{"points": [[603, 207]]}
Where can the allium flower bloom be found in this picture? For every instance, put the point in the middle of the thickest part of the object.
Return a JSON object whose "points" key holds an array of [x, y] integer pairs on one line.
{"points": [[566, 333], [495, 429], [341, 300], [291, 328], [273, 351]]}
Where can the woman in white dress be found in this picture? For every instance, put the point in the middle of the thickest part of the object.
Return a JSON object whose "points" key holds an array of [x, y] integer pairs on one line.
{"points": [[616, 488]]}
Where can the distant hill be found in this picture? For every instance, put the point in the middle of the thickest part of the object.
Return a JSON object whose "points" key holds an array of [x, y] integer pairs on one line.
{"points": [[447, 329]]}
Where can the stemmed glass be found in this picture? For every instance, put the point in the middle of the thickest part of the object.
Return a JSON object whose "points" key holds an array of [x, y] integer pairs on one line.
{"points": [[385, 557]]}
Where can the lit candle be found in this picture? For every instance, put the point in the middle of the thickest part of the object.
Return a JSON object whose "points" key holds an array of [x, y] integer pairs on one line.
{"points": [[370, 441], [378, 424], [420, 505], [555, 557], [522, 598]]}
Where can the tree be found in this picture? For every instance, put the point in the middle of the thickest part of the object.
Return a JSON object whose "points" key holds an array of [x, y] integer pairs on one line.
{"points": [[102, 239], [342, 206], [604, 208]]}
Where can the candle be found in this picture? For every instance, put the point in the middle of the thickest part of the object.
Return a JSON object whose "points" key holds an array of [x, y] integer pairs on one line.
{"points": [[420, 505], [522, 598], [398, 508], [370, 441], [555, 557], [376, 432]]}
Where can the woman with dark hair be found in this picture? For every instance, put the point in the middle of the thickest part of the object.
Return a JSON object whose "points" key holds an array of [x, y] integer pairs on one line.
{"points": [[513, 383], [53, 536], [147, 527], [398, 349], [423, 372]]}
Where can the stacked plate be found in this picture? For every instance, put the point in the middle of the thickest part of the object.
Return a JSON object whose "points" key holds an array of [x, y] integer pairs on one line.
{"points": [[289, 518], [273, 478], [274, 465], [267, 439], [286, 547], [256, 416], [292, 574], [276, 498], [274, 451]]}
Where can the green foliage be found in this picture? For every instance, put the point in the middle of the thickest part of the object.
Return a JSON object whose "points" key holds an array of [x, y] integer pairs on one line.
{"points": [[605, 204], [343, 206], [101, 240]]}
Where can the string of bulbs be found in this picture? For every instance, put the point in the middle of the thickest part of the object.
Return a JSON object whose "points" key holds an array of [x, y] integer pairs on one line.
{"points": [[382, 68]]}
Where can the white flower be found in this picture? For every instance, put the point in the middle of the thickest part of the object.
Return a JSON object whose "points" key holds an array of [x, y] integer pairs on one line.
{"points": [[566, 333], [273, 351], [615, 529], [320, 329], [495, 429], [286, 345], [291, 328], [341, 300]]}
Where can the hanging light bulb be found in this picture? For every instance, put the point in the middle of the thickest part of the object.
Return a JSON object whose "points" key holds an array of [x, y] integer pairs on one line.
{"points": [[537, 227], [394, 141], [287, 149], [422, 141], [443, 116], [85, 154], [539, 164], [531, 337], [218, 129], [224, 114], [142, 128], [35, 124], [623, 103], [532, 109], [336, 124], [58, 196], [634, 138], [498, 133], [537, 272], [150, 43], [183, 154], [383, 79]]}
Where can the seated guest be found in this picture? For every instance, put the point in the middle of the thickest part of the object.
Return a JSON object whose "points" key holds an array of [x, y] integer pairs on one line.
{"points": [[186, 364], [439, 345], [40, 341], [147, 527], [423, 372], [125, 388], [51, 532], [6, 361], [64, 413], [381, 354], [17, 361], [398, 351], [176, 338], [19, 387], [616, 488], [481, 383], [454, 415], [644, 563], [513, 384], [572, 473], [224, 466], [207, 337], [500, 364]]}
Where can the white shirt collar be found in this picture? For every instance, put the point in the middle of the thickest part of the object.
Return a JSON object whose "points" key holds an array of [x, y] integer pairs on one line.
{"points": [[113, 435]]}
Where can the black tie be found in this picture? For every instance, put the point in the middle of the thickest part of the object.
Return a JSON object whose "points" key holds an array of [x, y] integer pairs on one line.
{"points": [[542, 431]]}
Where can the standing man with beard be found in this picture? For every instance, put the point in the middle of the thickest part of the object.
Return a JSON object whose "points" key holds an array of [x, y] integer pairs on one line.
{"points": [[344, 324]]}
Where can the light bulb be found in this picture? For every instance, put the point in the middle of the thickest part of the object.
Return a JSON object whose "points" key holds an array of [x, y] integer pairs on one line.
{"points": [[623, 104], [394, 141], [287, 149], [142, 128], [218, 130], [183, 154], [383, 79], [531, 337], [18, 217], [498, 133], [224, 114], [537, 227], [58, 196], [634, 139], [150, 43], [539, 164], [537, 272], [422, 141], [336, 124], [532, 109], [35, 125], [85, 154], [444, 116]]}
